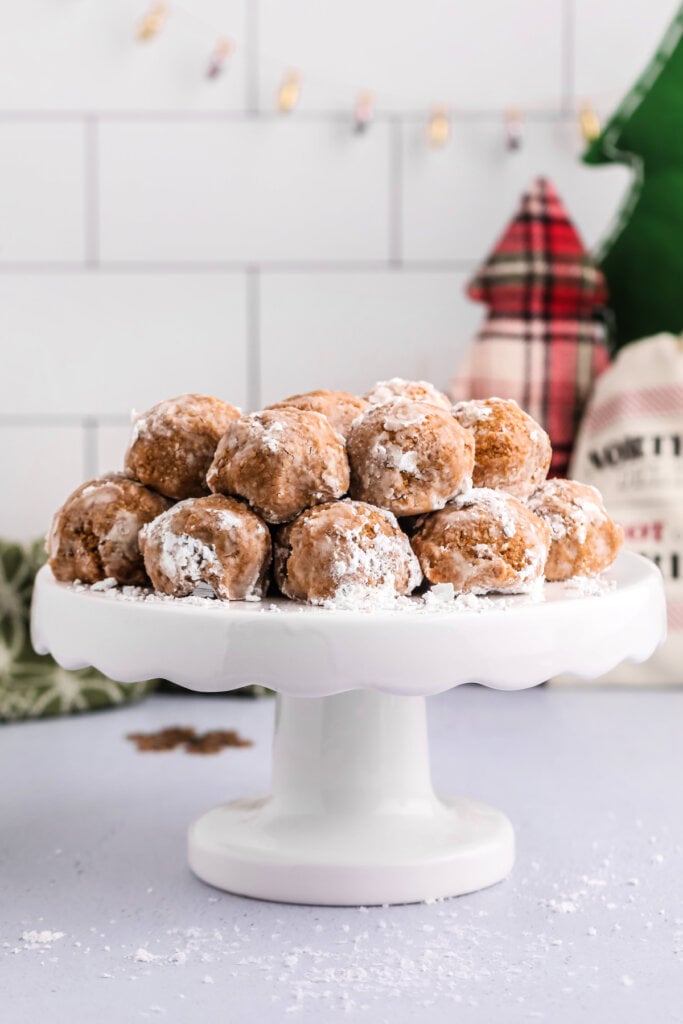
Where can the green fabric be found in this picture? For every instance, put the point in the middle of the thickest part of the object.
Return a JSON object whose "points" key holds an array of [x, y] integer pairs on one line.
{"points": [[643, 256], [33, 685]]}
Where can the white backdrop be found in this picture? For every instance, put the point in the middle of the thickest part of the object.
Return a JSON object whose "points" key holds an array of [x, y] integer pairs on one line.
{"points": [[160, 232]]}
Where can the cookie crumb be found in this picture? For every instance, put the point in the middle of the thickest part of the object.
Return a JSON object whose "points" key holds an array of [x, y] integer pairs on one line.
{"points": [[211, 742]]}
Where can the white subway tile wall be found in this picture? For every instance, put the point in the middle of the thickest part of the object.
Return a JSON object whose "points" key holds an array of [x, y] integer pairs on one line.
{"points": [[354, 328], [81, 55], [487, 54], [614, 43], [108, 450], [245, 192], [457, 201], [162, 232], [103, 343], [41, 464], [42, 192]]}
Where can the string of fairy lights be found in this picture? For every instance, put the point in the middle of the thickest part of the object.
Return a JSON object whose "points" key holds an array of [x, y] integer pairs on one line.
{"points": [[288, 94]]}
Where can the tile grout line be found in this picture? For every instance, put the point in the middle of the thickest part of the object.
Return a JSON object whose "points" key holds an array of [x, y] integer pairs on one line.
{"points": [[395, 192], [265, 267], [90, 446], [62, 419], [91, 193], [568, 53], [253, 299], [458, 115], [252, 71]]}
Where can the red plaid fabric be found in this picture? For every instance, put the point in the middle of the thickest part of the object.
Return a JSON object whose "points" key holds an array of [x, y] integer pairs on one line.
{"points": [[543, 342]]}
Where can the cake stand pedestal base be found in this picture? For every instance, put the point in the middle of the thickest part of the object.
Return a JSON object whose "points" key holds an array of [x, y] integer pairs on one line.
{"points": [[353, 819]]}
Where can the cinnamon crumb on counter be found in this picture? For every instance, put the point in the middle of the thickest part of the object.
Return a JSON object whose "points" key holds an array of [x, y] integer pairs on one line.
{"points": [[185, 736]]}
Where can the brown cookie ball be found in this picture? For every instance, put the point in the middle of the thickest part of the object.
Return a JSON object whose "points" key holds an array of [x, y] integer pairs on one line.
{"points": [[584, 538], [417, 390], [512, 451], [340, 408], [409, 457], [209, 547], [483, 541], [173, 443], [344, 552], [94, 535], [282, 461]]}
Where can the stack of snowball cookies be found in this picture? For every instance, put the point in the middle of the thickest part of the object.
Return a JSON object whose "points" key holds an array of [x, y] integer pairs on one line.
{"points": [[341, 501]]}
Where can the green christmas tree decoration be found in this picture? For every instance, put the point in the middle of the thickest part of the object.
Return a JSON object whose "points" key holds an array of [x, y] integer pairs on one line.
{"points": [[33, 685], [643, 256]]}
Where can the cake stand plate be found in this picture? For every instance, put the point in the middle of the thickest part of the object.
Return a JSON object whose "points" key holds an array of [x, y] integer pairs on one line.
{"points": [[352, 817]]}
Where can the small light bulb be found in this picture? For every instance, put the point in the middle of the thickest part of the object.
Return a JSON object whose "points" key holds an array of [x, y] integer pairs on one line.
{"points": [[288, 93], [513, 130], [222, 53], [589, 122], [363, 112], [153, 22], [439, 127]]}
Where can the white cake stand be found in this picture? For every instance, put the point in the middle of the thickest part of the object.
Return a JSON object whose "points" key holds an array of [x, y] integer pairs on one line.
{"points": [[352, 818]]}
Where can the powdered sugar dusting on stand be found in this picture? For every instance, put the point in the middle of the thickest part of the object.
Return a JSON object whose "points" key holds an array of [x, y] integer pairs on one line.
{"points": [[352, 818]]}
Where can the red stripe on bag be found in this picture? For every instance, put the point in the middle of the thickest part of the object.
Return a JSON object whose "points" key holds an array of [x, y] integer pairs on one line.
{"points": [[646, 402], [674, 616]]}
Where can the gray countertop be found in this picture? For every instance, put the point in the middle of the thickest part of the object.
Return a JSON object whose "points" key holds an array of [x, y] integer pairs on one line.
{"points": [[588, 927]]}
